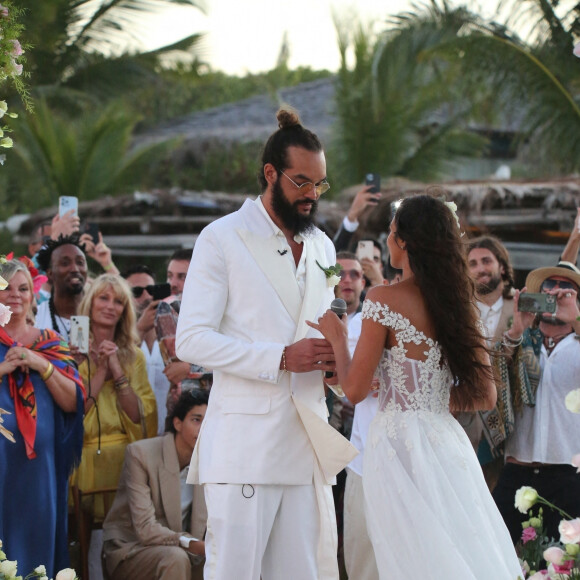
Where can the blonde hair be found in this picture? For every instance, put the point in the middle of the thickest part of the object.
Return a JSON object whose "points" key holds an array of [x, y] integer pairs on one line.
{"points": [[126, 337], [8, 269]]}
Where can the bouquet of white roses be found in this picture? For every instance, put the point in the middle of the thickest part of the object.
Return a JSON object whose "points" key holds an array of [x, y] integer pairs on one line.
{"points": [[9, 569]]}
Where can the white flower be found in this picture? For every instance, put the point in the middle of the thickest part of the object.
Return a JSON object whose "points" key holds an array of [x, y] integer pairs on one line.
{"points": [[332, 281], [573, 401], [576, 462], [453, 209], [577, 50], [569, 531], [8, 568], [41, 570], [6, 142], [3, 108], [526, 497], [66, 574], [5, 312]]}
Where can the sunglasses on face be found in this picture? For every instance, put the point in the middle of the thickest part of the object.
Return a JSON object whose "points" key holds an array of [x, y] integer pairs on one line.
{"points": [[138, 290], [352, 274], [551, 284]]}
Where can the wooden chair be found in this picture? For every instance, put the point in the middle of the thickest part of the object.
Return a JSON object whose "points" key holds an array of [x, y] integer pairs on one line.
{"points": [[86, 523]]}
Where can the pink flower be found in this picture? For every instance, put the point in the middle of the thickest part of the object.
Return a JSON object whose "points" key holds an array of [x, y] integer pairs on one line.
{"points": [[554, 555], [17, 48], [564, 568], [541, 575], [528, 534], [576, 462], [569, 531], [3, 11], [577, 50]]}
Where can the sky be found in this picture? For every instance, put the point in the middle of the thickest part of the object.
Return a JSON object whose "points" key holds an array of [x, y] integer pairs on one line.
{"points": [[246, 35]]}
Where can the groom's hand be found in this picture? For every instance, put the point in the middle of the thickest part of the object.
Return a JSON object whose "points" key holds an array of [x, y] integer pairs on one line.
{"points": [[310, 354]]}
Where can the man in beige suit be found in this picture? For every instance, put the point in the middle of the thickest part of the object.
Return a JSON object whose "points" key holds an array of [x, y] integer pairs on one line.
{"points": [[156, 526]]}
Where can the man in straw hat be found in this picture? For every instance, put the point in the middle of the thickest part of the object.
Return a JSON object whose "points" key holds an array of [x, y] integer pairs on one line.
{"points": [[545, 433]]}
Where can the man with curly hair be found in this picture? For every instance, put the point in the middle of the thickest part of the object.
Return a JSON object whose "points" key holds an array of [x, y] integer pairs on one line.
{"points": [[65, 265]]}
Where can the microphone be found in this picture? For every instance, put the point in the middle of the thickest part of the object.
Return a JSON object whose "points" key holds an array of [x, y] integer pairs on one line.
{"points": [[282, 252], [338, 306]]}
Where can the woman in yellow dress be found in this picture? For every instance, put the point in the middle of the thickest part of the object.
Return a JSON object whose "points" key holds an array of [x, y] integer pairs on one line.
{"points": [[120, 406]]}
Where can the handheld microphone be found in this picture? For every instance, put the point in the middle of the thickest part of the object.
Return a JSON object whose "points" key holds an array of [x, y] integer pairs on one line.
{"points": [[338, 306]]}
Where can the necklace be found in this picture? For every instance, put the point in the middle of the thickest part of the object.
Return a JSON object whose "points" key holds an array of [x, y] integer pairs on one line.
{"points": [[60, 328], [551, 341]]}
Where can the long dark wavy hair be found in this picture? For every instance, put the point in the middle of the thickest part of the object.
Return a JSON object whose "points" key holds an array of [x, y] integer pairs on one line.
{"points": [[437, 258]]}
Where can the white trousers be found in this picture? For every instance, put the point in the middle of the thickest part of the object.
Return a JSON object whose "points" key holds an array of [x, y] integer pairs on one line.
{"points": [[359, 556], [261, 531]]}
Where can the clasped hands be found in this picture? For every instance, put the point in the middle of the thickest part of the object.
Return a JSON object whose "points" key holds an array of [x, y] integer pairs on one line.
{"points": [[311, 354], [23, 358]]}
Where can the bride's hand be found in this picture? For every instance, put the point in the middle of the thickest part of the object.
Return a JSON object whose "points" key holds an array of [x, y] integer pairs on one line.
{"points": [[331, 326]]}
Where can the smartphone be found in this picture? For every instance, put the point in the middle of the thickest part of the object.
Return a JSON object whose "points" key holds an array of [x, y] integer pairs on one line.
{"points": [[159, 291], [79, 333], [66, 203], [373, 179], [365, 249], [537, 302], [92, 229]]}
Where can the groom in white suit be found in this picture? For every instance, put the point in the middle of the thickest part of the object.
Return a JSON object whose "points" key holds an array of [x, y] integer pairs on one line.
{"points": [[266, 454]]}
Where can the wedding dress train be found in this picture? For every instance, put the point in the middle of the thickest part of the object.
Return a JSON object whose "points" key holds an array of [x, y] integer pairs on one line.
{"points": [[429, 512]]}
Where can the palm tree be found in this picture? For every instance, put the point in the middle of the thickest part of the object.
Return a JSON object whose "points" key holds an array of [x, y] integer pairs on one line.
{"points": [[88, 48], [87, 158], [399, 113]]}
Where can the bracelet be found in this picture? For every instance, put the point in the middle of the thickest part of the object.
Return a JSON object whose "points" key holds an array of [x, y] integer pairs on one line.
{"points": [[48, 372], [511, 342], [108, 267], [121, 383], [284, 360]]}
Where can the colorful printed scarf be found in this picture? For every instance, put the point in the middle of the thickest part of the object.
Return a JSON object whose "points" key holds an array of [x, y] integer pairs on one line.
{"points": [[50, 345]]}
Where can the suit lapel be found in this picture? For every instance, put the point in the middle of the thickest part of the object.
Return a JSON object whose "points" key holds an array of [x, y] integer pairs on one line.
{"points": [[170, 484], [315, 286], [278, 270]]}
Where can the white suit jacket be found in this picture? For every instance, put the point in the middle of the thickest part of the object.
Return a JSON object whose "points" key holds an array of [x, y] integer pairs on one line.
{"points": [[241, 305]]}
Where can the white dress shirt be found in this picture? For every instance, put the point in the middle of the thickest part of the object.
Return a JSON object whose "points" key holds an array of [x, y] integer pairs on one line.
{"points": [[548, 432], [490, 316]]}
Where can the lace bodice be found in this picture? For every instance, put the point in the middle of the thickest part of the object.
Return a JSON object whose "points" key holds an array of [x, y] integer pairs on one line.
{"points": [[407, 384]]}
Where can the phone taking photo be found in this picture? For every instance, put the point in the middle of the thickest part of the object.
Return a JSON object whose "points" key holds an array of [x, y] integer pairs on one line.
{"points": [[66, 203], [92, 229], [373, 179], [79, 333], [537, 302], [365, 249]]}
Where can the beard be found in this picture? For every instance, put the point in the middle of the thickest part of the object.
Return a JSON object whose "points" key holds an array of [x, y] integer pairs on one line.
{"points": [[288, 213], [484, 288]]}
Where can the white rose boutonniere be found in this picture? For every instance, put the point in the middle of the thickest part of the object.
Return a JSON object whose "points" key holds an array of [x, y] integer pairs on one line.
{"points": [[332, 274]]}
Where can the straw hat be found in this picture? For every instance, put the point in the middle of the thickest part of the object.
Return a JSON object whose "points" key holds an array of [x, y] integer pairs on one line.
{"points": [[565, 269]]}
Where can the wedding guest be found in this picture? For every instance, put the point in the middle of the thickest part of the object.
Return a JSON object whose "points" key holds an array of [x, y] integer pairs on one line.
{"points": [[65, 264], [41, 397], [157, 522], [120, 406], [545, 433], [140, 278]]}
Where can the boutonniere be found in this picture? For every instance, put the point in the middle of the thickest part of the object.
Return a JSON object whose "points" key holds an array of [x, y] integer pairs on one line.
{"points": [[332, 274]]}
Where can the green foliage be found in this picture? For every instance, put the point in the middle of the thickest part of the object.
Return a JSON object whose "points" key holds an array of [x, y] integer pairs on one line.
{"points": [[87, 157], [400, 112]]}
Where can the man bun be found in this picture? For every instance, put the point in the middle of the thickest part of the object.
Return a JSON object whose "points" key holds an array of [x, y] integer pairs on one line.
{"points": [[287, 118]]}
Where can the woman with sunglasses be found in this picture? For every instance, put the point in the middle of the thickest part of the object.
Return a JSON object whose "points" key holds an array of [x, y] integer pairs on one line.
{"points": [[545, 350], [120, 405]]}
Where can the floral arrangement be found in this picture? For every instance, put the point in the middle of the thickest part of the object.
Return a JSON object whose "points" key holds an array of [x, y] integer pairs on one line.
{"points": [[563, 557], [9, 569], [332, 274], [11, 64]]}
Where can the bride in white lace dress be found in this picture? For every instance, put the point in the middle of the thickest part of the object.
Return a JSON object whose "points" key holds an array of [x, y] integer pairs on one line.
{"points": [[429, 512]]}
